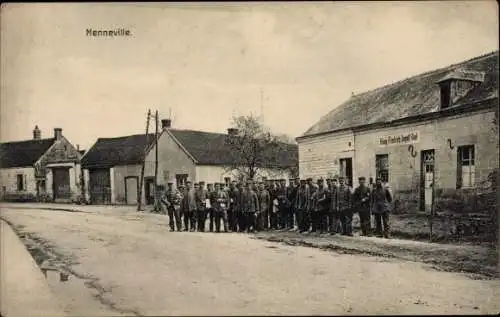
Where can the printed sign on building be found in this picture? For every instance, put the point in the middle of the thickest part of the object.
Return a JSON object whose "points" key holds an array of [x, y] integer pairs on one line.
{"points": [[399, 139]]}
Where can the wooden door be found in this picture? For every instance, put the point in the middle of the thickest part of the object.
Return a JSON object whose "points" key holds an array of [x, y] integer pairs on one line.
{"points": [[149, 190], [427, 180], [60, 183], [100, 186], [131, 190]]}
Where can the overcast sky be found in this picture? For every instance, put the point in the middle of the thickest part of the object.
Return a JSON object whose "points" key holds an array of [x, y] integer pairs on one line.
{"points": [[208, 62]]}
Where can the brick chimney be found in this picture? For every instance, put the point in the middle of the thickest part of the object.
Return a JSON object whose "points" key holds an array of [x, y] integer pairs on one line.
{"points": [[57, 133], [232, 131], [166, 123], [37, 134]]}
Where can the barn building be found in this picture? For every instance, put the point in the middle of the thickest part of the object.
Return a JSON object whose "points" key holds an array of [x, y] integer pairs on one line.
{"points": [[40, 168], [112, 166], [429, 136]]}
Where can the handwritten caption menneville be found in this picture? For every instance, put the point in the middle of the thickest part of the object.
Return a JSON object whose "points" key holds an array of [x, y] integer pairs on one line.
{"points": [[119, 32]]}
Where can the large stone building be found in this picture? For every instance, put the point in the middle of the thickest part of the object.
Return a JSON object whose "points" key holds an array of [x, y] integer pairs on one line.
{"points": [[438, 128], [43, 168], [112, 166]]}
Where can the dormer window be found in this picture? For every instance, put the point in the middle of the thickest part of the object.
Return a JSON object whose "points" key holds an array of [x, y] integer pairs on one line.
{"points": [[457, 85]]}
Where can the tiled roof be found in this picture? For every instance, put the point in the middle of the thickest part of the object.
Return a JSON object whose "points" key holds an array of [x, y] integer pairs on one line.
{"points": [[23, 153], [108, 152], [209, 148], [414, 96]]}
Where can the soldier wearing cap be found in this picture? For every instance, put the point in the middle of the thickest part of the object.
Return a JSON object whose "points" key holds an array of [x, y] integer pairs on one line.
{"points": [[234, 202], [250, 204], [291, 192], [210, 206], [362, 199], [221, 201], [322, 207], [190, 207], [344, 205], [333, 211], [201, 202], [264, 204], [172, 201], [273, 212], [302, 205], [282, 204], [381, 200]]}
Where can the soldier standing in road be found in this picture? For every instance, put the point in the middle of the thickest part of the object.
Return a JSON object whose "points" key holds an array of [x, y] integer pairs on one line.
{"points": [[362, 200], [345, 207], [233, 206], [201, 201], [273, 212], [250, 206], [172, 201], [282, 205], [322, 207], [221, 200], [210, 206], [381, 198], [333, 212], [189, 205], [291, 195], [265, 203], [302, 205], [312, 214]]}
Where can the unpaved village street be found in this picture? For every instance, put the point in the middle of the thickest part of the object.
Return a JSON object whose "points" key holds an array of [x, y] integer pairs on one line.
{"points": [[129, 263]]}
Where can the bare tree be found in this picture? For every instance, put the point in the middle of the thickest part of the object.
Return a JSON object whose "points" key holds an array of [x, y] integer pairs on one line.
{"points": [[254, 148]]}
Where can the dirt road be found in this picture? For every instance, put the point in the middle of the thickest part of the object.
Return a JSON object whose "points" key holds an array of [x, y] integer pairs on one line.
{"points": [[128, 263]]}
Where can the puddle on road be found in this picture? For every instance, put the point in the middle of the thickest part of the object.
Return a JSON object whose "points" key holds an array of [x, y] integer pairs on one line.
{"points": [[78, 295]]}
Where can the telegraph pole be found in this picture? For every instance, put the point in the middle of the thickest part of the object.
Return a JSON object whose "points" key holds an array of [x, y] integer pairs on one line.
{"points": [[157, 207], [141, 181]]}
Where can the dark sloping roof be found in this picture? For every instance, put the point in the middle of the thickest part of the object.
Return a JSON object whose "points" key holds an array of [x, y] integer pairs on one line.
{"points": [[23, 153], [410, 97], [209, 148], [108, 152]]}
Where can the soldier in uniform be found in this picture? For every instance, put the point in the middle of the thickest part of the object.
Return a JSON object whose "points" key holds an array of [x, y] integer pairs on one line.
{"points": [[250, 204], [312, 214], [172, 201], [290, 195], [240, 220], [273, 212], [210, 207], [302, 205], [221, 201], [189, 207], [282, 204], [333, 211], [233, 206], [322, 207], [381, 199], [264, 204], [362, 200], [344, 203], [201, 197]]}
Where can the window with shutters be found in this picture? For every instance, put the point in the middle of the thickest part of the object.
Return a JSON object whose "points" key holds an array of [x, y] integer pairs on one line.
{"points": [[465, 166], [227, 180], [181, 179], [382, 167], [21, 184]]}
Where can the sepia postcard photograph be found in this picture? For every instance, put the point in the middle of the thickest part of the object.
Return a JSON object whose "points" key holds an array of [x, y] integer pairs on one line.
{"points": [[249, 158]]}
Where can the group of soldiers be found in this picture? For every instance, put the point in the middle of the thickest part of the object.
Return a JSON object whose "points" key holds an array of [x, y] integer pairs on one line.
{"points": [[304, 205]]}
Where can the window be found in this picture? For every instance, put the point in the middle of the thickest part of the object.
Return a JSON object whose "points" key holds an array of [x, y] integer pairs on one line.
{"points": [[445, 94], [20, 182], [181, 179], [227, 180], [382, 167], [465, 166]]}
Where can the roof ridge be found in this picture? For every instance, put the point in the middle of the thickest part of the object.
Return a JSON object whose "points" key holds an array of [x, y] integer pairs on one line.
{"points": [[25, 141], [125, 136], [426, 73]]}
